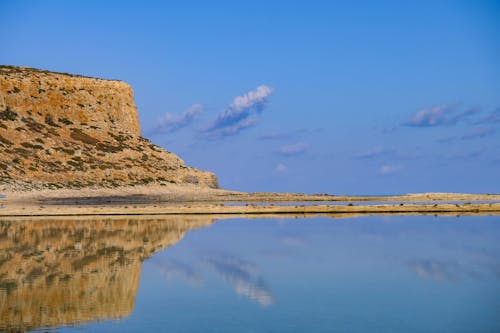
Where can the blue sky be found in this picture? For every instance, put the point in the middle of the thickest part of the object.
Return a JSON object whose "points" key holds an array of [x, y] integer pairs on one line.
{"points": [[354, 97]]}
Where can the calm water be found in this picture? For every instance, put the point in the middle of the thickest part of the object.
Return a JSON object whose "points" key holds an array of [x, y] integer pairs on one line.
{"points": [[194, 274], [359, 203]]}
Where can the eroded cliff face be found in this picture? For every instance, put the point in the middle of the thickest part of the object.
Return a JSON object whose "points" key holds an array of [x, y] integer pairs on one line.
{"points": [[63, 271], [62, 130]]}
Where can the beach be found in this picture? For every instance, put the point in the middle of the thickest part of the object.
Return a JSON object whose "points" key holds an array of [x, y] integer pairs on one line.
{"points": [[172, 200]]}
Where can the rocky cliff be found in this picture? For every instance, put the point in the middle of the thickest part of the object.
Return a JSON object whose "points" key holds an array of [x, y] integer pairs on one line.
{"points": [[61, 130]]}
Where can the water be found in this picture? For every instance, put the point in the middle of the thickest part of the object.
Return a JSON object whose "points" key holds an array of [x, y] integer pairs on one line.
{"points": [[358, 203], [195, 274]]}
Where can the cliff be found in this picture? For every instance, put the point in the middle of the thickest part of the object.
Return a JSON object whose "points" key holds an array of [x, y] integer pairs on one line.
{"points": [[61, 130], [59, 271]]}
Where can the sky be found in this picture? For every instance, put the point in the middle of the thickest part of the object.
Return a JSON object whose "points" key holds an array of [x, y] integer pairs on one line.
{"points": [[340, 97]]}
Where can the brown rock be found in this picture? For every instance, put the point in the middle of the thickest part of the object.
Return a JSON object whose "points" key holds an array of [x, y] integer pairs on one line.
{"points": [[61, 130]]}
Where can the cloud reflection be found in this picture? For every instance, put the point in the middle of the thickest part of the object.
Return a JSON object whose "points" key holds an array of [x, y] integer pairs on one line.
{"points": [[436, 270], [174, 269], [243, 277], [451, 271]]}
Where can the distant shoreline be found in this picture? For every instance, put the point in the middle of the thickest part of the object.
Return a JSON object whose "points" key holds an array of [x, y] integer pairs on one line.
{"points": [[193, 200], [243, 211], [194, 193]]}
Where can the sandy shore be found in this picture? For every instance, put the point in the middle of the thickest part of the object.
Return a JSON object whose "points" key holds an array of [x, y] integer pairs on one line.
{"points": [[192, 200], [192, 193], [222, 210], [144, 193]]}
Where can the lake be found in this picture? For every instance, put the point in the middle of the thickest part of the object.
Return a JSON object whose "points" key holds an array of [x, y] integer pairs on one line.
{"points": [[197, 274]]}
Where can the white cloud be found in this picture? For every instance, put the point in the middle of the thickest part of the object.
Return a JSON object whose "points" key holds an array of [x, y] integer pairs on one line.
{"points": [[371, 153], [281, 168], [389, 169], [172, 122], [293, 149], [273, 136], [250, 99], [434, 116], [441, 115], [479, 132], [242, 112], [493, 117]]}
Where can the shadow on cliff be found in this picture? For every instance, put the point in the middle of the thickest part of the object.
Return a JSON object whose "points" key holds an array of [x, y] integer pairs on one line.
{"points": [[66, 271]]}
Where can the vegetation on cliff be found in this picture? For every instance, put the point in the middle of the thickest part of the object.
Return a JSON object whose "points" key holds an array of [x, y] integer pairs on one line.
{"points": [[60, 130]]}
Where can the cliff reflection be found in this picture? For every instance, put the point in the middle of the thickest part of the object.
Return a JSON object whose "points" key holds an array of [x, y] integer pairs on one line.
{"points": [[59, 272]]}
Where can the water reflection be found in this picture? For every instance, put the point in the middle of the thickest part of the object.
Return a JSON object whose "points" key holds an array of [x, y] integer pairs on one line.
{"points": [[59, 272], [451, 271], [172, 269], [391, 274], [242, 276], [440, 270]]}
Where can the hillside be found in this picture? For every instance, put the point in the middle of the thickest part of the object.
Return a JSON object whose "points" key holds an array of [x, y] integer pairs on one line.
{"points": [[60, 130]]}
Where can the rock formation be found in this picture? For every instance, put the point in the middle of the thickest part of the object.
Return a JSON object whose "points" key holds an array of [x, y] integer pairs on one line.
{"points": [[61, 130], [66, 271]]}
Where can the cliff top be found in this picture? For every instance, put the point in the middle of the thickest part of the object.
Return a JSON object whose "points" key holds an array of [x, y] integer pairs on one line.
{"points": [[9, 69]]}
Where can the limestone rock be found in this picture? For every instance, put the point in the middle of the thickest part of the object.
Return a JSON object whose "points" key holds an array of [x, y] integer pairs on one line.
{"points": [[63, 130]]}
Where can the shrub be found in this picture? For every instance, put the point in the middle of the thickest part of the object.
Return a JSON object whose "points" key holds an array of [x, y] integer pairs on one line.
{"points": [[50, 121], [23, 152], [14, 91], [78, 135], [4, 140], [77, 165], [33, 125], [147, 180], [32, 146], [119, 137], [65, 121], [191, 179], [8, 114], [52, 131], [68, 151], [105, 147]]}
